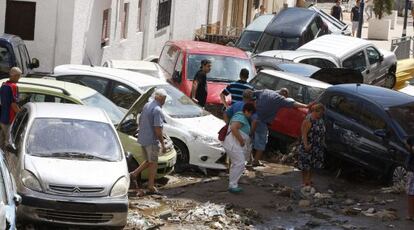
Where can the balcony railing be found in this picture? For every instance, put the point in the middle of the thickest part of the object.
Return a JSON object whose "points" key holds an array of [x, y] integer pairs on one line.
{"points": [[218, 34]]}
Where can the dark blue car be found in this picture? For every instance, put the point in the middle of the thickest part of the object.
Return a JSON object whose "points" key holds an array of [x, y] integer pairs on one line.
{"points": [[369, 126]]}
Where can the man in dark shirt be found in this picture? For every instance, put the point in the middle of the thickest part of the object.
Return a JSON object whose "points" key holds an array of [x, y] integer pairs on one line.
{"points": [[236, 89], [355, 17], [199, 88], [9, 108], [336, 10]]}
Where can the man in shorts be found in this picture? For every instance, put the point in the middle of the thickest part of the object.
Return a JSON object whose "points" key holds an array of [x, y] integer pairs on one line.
{"points": [[151, 138]]}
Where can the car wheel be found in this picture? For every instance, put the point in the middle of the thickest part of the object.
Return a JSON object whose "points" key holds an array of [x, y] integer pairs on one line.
{"points": [[183, 156], [399, 177], [390, 80]]}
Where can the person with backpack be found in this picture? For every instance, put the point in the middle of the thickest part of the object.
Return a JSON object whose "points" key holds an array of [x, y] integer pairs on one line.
{"points": [[9, 95], [237, 144]]}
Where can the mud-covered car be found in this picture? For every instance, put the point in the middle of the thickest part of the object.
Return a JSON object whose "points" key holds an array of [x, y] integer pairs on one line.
{"points": [[369, 126]]}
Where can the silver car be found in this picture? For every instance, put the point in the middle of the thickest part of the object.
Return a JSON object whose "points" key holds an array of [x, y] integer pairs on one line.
{"points": [[69, 166]]}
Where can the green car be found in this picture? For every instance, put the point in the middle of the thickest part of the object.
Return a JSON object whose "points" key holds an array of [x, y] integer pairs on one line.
{"points": [[47, 90]]}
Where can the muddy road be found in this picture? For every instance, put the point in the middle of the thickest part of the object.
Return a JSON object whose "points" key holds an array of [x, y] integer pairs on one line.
{"points": [[272, 199]]}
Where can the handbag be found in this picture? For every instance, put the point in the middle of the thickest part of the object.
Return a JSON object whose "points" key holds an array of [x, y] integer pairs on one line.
{"points": [[223, 132]]}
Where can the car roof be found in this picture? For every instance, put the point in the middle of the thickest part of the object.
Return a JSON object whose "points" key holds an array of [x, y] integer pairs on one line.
{"points": [[68, 111], [292, 54], [335, 45], [10, 38], [41, 84], [127, 77], [296, 78], [290, 22], [260, 23], [133, 64], [196, 47], [381, 96]]}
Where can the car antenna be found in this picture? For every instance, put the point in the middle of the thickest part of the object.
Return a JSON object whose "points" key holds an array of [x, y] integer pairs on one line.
{"points": [[89, 59]]}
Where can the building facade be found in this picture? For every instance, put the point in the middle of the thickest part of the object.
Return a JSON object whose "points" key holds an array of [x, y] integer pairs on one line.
{"points": [[92, 31]]}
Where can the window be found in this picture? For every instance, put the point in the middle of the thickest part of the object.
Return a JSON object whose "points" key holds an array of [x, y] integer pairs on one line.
{"points": [[20, 19], [346, 106], [95, 83], [179, 66], [20, 132], [25, 57], [37, 97], [370, 119], [105, 28], [296, 90], [319, 62], [168, 58], [5, 60], [373, 55], [17, 123], [264, 81], [124, 21], [314, 28], [123, 96], [356, 62], [270, 42], [164, 12]]}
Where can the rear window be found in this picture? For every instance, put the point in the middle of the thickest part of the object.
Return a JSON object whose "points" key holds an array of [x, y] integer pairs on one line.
{"points": [[269, 42]]}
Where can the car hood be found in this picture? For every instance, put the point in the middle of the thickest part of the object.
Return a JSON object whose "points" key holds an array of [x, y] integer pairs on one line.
{"points": [[214, 90], [70, 172], [206, 125], [336, 76]]}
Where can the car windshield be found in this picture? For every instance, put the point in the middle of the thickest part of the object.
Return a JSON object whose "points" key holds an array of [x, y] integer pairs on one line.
{"points": [[247, 37], [299, 69], [71, 138], [270, 42], [403, 116], [99, 101], [224, 69], [178, 105]]}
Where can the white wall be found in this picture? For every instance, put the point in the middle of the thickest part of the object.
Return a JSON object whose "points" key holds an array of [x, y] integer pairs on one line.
{"points": [[189, 15], [2, 15], [64, 31]]}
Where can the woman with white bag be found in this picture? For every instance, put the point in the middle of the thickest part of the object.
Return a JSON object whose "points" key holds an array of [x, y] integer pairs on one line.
{"points": [[238, 144]]}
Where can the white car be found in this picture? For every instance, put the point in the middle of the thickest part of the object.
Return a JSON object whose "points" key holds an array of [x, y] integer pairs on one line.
{"points": [[376, 65], [69, 166], [192, 129], [145, 67]]}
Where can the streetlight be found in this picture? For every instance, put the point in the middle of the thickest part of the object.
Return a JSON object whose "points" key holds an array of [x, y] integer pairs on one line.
{"points": [[361, 18], [404, 33]]}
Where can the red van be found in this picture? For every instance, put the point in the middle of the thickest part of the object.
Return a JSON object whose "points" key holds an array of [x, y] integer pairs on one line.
{"points": [[181, 60]]}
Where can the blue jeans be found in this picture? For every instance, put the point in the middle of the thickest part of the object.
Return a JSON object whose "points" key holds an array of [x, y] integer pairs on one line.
{"points": [[260, 136]]}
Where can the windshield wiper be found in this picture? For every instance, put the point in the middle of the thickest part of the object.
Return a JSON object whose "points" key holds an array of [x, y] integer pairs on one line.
{"points": [[70, 155]]}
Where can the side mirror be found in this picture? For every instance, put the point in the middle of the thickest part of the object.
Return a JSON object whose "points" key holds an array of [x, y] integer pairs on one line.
{"points": [[380, 133], [17, 199], [176, 76], [381, 58], [11, 149], [252, 44], [34, 64]]}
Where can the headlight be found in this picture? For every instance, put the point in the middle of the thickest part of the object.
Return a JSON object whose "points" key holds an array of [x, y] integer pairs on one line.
{"points": [[30, 181], [206, 139], [120, 187]]}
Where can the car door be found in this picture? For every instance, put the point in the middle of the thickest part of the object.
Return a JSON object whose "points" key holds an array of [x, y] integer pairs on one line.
{"points": [[358, 62], [101, 85], [341, 115], [371, 149], [177, 76], [377, 72], [168, 58], [122, 95]]}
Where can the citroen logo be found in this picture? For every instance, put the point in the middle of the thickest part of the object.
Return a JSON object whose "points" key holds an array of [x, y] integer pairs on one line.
{"points": [[76, 190]]}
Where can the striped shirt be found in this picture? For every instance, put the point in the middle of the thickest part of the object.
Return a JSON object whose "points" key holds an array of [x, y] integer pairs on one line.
{"points": [[236, 90]]}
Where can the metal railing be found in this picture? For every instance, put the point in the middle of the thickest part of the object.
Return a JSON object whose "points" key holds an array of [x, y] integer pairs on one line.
{"points": [[218, 34], [402, 47]]}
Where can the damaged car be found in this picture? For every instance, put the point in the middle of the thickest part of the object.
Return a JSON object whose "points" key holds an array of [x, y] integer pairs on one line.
{"points": [[369, 126], [286, 127], [195, 146]]}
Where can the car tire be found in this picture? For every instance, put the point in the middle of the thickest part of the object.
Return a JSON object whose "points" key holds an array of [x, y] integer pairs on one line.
{"points": [[390, 80], [183, 156], [398, 176]]}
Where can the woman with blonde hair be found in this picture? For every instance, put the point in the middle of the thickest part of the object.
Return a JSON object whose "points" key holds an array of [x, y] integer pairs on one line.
{"points": [[312, 147]]}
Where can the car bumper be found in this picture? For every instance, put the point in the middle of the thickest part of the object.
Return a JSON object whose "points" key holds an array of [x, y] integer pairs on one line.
{"points": [[40, 207], [207, 156]]}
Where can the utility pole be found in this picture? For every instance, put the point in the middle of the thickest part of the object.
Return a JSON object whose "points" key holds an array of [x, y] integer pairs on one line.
{"points": [[404, 33], [361, 18]]}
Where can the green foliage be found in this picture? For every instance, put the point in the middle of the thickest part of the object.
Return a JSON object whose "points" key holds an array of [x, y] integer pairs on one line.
{"points": [[382, 7]]}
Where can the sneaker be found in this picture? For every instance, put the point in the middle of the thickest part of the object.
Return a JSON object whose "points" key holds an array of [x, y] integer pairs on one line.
{"points": [[235, 190]]}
